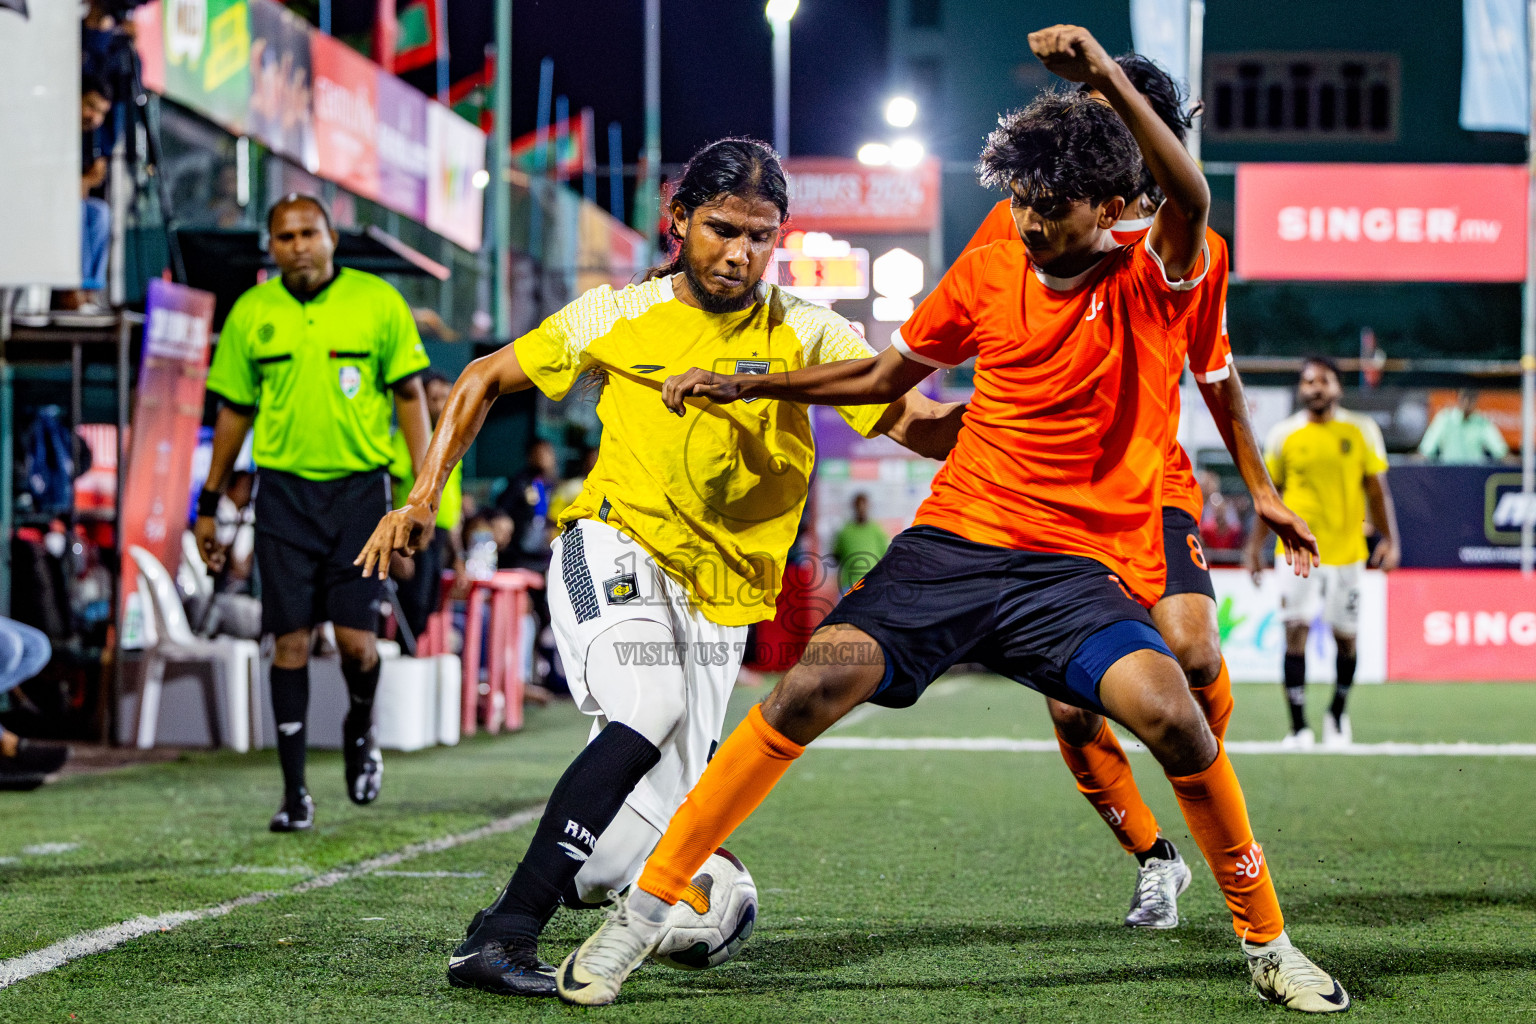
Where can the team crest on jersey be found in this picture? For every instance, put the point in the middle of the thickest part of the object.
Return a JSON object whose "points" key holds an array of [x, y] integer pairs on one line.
{"points": [[759, 366], [264, 332], [1344, 446], [351, 380], [622, 589]]}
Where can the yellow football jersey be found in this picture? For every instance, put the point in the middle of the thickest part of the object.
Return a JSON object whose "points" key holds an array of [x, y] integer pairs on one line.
{"points": [[1320, 469], [715, 495]]}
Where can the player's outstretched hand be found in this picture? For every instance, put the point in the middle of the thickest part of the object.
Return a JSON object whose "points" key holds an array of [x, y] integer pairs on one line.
{"points": [[1300, 546], [406, 531], [1071, 52], [206, 532], [696, 383]]}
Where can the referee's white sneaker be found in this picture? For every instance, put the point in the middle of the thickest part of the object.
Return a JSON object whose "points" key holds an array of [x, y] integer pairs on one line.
{"points": [[1282, 974], [593, 974], [1301, 739], [1337, 733]]}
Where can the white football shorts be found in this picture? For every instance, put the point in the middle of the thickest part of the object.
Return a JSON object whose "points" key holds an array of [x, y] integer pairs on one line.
{"points": [[1333, 588], [599, 577]]}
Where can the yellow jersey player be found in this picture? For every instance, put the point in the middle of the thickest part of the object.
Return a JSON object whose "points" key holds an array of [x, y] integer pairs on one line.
{"points": [[1330, 465], [677, 542]]}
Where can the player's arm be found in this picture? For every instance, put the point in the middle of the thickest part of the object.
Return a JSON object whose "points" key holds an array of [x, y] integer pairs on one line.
{"points": [[874, 380], [1378, 496], [482, 382], [1229, 408], [411, 412], [229, 431], [921, 425], [1178, 230]]}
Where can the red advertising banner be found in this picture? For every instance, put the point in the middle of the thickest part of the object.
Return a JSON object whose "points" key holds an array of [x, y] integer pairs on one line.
{"points": [[346, 114], [166, 415], [1380, 222], [1454, 625], [844, 196]]}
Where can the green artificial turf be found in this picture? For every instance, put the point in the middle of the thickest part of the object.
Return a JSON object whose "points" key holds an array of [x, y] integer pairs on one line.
{"points": [[894, 885]]}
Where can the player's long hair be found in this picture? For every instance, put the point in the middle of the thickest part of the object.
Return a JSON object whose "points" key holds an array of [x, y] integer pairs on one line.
{"points": [[1167, 101], [741, 167], [1064, 145]]}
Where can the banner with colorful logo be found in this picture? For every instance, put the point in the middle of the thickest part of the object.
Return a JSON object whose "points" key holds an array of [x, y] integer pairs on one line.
{"points": [[454, 202], [166, 415], [207, 50], [404, 160], [346, 114], [843, 195], [281, 111]]}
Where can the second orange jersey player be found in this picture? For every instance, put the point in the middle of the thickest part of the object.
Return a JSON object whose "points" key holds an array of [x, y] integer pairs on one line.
{"points": [[1185, 613], [1039, 547]]}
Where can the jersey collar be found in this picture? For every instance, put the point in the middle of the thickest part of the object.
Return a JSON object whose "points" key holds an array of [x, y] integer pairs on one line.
{"points": [[301, 299]]}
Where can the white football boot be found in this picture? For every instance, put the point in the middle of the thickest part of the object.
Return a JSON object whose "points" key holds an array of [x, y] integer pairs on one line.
{"points": [[593, 974], [1159, 884], [1337, 734], [1282, 974], [1301, 739]]}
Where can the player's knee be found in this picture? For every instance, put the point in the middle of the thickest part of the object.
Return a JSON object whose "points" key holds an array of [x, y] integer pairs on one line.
{"points": [[812, 694], [291, 650], [1346, 645], [357, 648], [1075, 725], [1199, 655]]}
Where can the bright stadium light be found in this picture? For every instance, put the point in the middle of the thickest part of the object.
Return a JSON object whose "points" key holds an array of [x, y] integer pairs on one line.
{"points": [[874, 154], [481, 179], [782, 10], [906, 153], [900, 111]]}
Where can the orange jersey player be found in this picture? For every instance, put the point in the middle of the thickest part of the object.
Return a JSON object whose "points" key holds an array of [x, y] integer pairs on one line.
{"points": [[1185, 614], [1039, 547]]}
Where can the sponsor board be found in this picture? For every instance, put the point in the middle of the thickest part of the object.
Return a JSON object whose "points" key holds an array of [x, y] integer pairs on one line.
{"points": [[1452, 625], [1253, 633]]}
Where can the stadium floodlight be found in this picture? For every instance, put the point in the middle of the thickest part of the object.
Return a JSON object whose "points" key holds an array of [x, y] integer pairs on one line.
{"points": [[782, 10], [874, 154], [906, 153], [900, 111], [481, 178]]}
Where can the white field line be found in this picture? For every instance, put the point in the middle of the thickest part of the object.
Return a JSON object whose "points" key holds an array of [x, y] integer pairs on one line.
{"points": [[102, 939], [1005, 745]]}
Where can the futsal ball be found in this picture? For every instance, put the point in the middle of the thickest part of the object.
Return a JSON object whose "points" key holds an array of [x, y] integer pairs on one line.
{"points": [[712, 921]]}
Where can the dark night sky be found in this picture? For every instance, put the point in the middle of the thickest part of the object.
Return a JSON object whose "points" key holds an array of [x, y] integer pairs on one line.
{"points": [[716, 75]]}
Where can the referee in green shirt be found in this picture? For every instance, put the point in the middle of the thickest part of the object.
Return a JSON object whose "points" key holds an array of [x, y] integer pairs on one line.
{"points": [[314, 358]]}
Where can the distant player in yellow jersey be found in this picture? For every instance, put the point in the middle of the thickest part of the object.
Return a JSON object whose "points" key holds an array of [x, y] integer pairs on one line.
{"points": [[677, 542], [1329, 464]]}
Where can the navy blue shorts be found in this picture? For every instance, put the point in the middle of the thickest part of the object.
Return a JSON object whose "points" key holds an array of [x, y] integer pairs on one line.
{"points": [[1054, 623], [1188, 572]]}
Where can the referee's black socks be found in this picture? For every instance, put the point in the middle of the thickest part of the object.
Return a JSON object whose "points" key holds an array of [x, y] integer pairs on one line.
{"points": [[583, 804], [290, 708], [362, 685]]}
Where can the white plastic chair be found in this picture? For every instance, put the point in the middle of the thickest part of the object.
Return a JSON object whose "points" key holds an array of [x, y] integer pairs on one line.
{"points": [[169, 638]]}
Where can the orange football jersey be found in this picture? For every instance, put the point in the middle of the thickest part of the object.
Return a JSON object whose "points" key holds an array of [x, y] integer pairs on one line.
{"points": [[1066, 436], [1205, 340]]}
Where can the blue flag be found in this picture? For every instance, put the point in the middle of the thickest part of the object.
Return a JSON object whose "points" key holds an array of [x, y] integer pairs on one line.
{"points": [[1495, 67], [1160, 30]]}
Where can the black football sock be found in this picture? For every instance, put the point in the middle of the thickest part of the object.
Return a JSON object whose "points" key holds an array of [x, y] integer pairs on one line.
{"points": [[290, 707], [1162, 850], [584, 803], [1345, 666], [1296, 689], [362, 685]]}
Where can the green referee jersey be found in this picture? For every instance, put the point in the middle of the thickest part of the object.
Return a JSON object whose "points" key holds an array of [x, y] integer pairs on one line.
{"points": [[319, 373]]}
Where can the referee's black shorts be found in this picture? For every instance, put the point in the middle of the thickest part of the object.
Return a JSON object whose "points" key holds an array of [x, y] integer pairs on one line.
{"points": [[307, 534]]}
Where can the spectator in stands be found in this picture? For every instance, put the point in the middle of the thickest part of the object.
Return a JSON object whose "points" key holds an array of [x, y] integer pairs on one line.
{"points": [[1462, 436], [1221, 520], [859, 544], [23, 653], [95, 214]]}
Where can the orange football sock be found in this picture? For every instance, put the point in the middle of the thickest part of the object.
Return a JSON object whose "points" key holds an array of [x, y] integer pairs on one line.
{"points": [[1215, 699], [746, 767], [1104, 776], [1217, 816]]}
